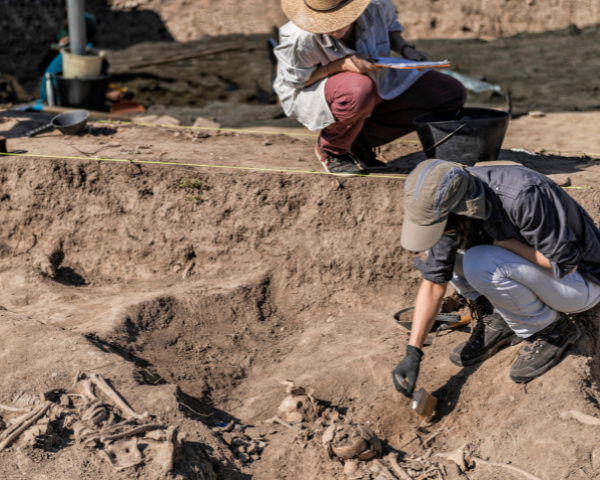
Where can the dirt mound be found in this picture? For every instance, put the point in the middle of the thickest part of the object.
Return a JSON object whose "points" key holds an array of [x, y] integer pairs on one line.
{"points": [[206, 292]]}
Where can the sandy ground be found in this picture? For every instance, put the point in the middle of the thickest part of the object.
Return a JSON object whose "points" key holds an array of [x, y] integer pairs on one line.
{"points": [[196, 291]]}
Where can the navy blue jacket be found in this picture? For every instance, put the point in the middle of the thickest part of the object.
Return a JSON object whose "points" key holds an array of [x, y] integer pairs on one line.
{"points": [[533, 209]]}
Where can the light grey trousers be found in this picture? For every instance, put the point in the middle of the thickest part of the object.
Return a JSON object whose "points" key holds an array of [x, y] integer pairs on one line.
{"points": [[527, 296]]}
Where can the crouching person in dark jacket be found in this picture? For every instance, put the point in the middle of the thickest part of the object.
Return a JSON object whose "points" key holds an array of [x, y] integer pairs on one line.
{"points": [[520, 251]]}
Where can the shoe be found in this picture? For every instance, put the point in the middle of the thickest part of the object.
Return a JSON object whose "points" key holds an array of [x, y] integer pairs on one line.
{"points": [[362, 150], [543, 350], [345, 165], [489, 332]]}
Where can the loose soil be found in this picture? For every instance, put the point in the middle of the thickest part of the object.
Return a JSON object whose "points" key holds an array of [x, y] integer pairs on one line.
{"points": [[288, 276]]}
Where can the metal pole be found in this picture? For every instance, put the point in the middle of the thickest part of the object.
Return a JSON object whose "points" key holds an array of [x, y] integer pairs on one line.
{"points": [[77, 33]]}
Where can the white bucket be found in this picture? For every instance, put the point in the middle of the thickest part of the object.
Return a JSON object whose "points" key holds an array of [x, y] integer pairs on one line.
{"points": [[78, 66]]}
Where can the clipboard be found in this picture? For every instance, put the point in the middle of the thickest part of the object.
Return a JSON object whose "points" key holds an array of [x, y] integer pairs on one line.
{"points": [[403, 64]]}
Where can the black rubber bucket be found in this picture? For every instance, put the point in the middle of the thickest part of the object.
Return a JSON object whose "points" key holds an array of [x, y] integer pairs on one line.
{"points": [[468, 136], [86, 93]]}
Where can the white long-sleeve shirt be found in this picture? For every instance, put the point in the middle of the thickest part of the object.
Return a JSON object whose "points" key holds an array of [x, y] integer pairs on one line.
{"points": [[300, 53]]}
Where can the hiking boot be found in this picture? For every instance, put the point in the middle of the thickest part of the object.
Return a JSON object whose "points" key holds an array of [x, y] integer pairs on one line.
{"points": [[346, 165], [542, 351], [362, 150], [489, 332]]}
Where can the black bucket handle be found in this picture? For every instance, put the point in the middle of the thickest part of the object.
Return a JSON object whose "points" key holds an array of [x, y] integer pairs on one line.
{"points": [[446, 138]]}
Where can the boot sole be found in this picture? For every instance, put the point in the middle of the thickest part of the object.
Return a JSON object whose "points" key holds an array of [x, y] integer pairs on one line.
{"points": [[540, 371], [512, 340], [318, 154]]}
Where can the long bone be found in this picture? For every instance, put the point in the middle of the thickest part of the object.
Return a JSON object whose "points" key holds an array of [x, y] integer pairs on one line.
{"points": [[99, 381], [398, 470], [12, 433]]}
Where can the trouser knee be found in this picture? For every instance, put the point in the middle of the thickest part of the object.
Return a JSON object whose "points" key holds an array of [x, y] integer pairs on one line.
{"points": [[357, 96], [478, 264]]}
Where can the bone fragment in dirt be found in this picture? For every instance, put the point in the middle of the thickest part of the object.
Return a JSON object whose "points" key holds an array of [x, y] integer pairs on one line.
{"points": [[188, 269], [111, 420], [278, 420], [124, 454], [328, 435], [100, 417], [457, 456], [350, 467], [14, 409], [371, 438], [92, 410], [157, 435], [13, 433], [25, 400], [130, 433], [82, 431], [431, 437], [167, 450], [228, 427], [507, 466], [381, 471], [99, 381], [580, 417], [48, 263], [84, 389], [398, 470]]}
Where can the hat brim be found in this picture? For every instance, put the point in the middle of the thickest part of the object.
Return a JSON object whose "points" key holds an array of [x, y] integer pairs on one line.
{"points": [[418, 238], [323, 22]]}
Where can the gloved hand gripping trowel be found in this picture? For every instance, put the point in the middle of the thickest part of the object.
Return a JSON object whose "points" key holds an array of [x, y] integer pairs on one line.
{"points": [[423, 403]]}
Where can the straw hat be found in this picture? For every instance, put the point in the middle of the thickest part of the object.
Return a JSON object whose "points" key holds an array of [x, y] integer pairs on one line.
{"points": [[323, 16]]}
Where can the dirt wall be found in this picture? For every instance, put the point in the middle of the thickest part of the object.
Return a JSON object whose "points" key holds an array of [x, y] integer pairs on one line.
{"points": [[188, 20], [294, 277]]}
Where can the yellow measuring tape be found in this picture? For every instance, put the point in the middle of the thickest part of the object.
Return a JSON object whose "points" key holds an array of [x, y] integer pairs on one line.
{"points": [[258, 169], [239, 130]]}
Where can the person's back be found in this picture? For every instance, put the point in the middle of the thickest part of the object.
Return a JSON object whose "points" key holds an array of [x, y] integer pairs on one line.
{"points": [[516, 247]]}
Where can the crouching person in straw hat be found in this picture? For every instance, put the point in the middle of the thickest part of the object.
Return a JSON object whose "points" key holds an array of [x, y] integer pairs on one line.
{"points": [[520, 250], [327, 80]]}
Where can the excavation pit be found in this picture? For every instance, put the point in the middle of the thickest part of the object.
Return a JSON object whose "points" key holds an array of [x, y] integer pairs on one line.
{"points": [[204, 290]]}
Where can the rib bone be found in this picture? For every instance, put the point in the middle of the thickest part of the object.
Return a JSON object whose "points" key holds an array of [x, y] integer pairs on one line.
{"points": [[99, 381], [130, 433], [398, 470], [12, 433], [15, 409]]}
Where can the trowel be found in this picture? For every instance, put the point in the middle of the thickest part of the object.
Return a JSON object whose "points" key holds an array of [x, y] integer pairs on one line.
{"points": [[443, 321], [423, 402]]}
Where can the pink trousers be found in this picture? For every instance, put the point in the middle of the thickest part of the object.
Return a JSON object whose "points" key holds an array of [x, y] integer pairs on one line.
{"points": [[358, 108]]}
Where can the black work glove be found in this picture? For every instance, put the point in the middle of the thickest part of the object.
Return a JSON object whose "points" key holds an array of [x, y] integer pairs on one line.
{"points": [[409, 370]]}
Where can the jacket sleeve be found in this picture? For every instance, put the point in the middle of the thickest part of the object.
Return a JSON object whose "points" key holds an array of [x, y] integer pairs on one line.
{"points": [[391, 18], [439, 265], [296, 60], [542, 221]]}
